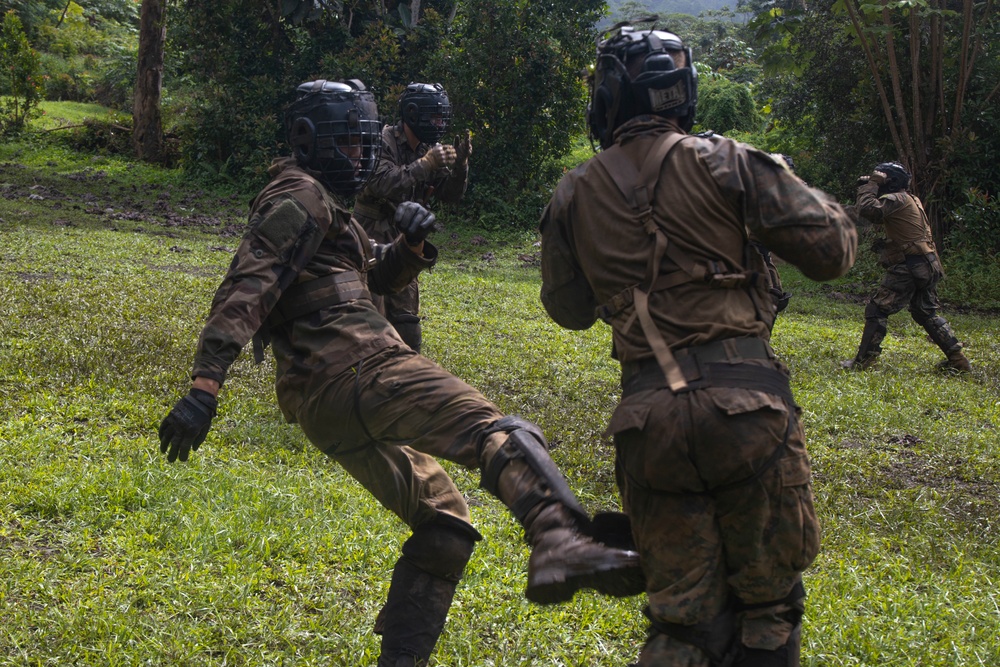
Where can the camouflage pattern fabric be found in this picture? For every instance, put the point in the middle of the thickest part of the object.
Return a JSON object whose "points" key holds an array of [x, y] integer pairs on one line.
{"points": [[701, 540], [385, 420], [913, 271], [343, 373], [592, 249], [298, 232], [400, 177], [901, 214]]}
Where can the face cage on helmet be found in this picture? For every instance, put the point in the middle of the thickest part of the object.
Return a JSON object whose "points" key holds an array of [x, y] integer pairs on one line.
{"points": [[344, 175], [431, 121]]}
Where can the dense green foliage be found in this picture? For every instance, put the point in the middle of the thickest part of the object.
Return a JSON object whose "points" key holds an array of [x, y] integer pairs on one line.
{"points": [[852, 84], [261, 552], [20, 76], [511, 69], [796, 79]]}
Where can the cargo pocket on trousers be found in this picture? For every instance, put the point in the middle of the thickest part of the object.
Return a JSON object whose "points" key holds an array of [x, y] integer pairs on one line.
{"points": [[386, 387], [628, 415], [798, 533]]}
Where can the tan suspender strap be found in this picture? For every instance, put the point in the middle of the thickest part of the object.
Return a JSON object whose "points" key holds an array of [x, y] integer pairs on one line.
{"points": [[643, 185]]}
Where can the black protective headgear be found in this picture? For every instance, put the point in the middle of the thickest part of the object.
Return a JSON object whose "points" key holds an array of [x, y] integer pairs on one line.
{"points": [[328, 118], [659, 87], [897, 178], [425, 108]]}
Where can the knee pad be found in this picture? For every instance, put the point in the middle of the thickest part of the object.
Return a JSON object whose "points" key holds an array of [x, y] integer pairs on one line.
{"points": [[786, 655], [715, 638], [525, 441], [442, 547], [873, 312]]}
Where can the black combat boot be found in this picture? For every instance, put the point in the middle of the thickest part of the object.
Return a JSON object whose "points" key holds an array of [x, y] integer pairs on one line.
{"points": [[518, 470], [564, 560], [871, 340], [783, 656], [423, 586]]}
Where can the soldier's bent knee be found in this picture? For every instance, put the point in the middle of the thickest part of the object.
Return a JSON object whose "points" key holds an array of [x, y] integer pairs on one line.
{"points": [[442, 547], [874, 312]]}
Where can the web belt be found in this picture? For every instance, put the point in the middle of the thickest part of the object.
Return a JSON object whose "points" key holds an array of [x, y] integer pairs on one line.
{"points": [[330, 290]]}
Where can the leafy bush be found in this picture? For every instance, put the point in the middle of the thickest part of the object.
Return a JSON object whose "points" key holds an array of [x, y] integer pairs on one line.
{"points": [[725, 106], [69, 79], [114, 82], [22, 78], [79, 31], [976, 223]]}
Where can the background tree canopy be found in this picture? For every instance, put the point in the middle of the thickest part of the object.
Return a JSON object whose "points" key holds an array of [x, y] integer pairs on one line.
{"points": [[839, 85]]}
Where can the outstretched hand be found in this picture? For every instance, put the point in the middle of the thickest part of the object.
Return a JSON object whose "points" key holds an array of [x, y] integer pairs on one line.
{"points": [[187, 424], [415, 221]]}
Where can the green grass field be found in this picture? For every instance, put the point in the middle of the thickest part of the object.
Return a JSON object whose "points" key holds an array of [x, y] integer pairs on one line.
{"points": [[259, 551]]}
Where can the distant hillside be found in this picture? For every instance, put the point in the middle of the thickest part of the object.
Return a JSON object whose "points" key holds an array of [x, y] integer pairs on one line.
{"points": [[664, 7]]}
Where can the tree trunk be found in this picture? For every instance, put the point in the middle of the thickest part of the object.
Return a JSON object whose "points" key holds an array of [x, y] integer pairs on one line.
{"points": [[147, 127]]}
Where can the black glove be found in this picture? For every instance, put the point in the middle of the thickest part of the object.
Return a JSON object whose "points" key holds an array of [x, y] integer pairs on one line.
{"points": [[862, 180], [186, 427], [415, 221]]}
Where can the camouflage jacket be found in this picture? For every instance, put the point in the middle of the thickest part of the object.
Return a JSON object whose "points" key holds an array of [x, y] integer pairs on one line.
{"points": [[300, 232], [711, 191], [400, 177], [901, 214]]}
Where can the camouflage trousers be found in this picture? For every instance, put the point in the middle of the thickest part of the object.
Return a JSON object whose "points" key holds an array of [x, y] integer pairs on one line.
{"points": [[709, 527], [387, 418], [913, 284]]}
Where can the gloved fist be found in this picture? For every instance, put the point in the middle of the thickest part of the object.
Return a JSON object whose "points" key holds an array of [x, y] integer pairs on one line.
{"points": [[439, 156], [862, 180], [187, 425], [877, 177], [463, 148], [415, 221]]}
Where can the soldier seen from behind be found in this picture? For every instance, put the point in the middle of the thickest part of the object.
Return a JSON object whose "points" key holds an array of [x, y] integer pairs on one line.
{"points": [[912, 268], [413, 166], [302, 277], [651, 235]]}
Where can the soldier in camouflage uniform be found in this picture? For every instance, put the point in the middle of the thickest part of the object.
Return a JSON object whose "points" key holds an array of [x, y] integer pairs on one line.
{"points": [[651, 235], [413, 166], [913, 269], [302, 277]]}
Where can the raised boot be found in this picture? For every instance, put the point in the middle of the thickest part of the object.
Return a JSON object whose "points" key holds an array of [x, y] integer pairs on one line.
{"points": [[564, 560], [423, 586], [518, 470]]}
